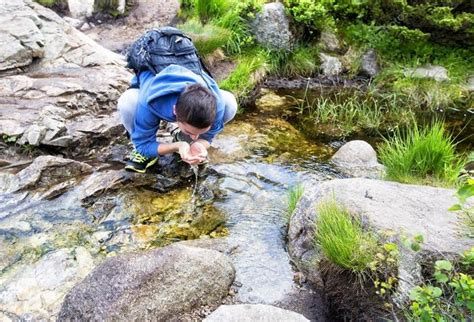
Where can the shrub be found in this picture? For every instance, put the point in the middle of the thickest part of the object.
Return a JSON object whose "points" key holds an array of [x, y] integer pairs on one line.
{"points": [[206, 38], [425, 155], [294, 195], [342, 239]]}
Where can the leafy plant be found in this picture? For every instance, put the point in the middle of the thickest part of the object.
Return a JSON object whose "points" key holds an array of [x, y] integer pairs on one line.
{"points": [[466, 211], [421, 155], [449, 297]]}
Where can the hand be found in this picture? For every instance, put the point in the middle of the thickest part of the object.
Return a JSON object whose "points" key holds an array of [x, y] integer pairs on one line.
{"points": [[198, 150], [185, 153]]}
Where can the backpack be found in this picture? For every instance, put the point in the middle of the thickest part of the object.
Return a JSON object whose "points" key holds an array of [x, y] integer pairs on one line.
{"points": [[159, 48]]}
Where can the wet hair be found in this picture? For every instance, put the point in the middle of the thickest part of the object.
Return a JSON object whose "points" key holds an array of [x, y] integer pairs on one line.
{"points": [[196, 106]]}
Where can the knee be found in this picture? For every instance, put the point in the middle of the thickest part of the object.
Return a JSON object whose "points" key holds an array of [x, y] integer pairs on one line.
{"points": [[230, 105], [127, 103]]}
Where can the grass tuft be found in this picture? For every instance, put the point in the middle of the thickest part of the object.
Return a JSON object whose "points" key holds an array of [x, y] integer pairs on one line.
{"points": [[422, 155], [294, 195], [342, 239], [206, 38]]}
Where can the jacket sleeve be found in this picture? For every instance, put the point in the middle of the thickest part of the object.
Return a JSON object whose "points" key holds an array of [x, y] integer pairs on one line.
{"points": [[144, 133]]}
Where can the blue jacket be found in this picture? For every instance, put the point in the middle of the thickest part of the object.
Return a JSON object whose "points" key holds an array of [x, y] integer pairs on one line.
{"points": [[158, 94]]}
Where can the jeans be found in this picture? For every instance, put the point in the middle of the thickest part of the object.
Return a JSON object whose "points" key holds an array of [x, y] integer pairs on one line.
{"points": [[128, 103]]}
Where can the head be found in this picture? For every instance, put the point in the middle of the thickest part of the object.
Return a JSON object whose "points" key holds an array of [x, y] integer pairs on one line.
{"points": [[195, 110]]}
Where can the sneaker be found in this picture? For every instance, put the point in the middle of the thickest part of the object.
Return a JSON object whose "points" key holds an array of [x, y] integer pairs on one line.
{"points": [[139, 163]]}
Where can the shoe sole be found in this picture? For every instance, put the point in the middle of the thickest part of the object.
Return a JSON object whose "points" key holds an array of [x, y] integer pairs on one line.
{"points": [[131, 168]]}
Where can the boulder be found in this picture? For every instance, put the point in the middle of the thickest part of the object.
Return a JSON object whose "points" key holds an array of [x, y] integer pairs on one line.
{"points": [[272, 27], [253, 312], [405, 210], [36, 292], [81, 8], [358, 159], [330, 65], [330, 42], [437, 73], [369, 66], [73, 83], [160, 284]]}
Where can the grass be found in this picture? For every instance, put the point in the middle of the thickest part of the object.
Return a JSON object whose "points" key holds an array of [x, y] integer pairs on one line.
{"points": [[422, 156], [207, 38], [246, 74], [353, 112], [302, 61], [342, 239], [294, 195]]}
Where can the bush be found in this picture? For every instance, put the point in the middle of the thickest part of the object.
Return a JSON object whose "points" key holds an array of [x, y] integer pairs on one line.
{"points": [[206, 38], [342, 239], [425, 155]]}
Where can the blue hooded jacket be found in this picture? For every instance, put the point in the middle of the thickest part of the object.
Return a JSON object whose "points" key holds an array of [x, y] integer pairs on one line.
{"points": [[157, 96]]}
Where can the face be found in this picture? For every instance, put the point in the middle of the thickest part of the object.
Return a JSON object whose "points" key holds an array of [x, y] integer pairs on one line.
{"points": [[191, 131]]}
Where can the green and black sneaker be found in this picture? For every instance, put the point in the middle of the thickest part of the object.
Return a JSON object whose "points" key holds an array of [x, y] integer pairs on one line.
{"points": [[139, 163]]}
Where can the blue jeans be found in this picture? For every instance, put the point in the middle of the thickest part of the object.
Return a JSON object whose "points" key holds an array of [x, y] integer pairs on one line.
{"points": [[128, 103]]}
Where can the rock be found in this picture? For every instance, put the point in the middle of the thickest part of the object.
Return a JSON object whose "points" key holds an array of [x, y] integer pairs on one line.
{"points": [[253, 312], [162, 283], [358, 159], [330, 66], [81, 8], [121, 6], [369, 66], [37, 290], [272, 27], [470, 84], [406, 210], [76, 23], [20, 39], [438, 73], [73, 82], [329, 42], [85, 27]]}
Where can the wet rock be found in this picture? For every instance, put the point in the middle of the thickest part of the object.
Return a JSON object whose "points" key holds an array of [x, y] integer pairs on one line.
{"points": [[37, 290], [330, 65], [358, 159], [162, 283], [253, 312], [272, 27], [74, 82], [330, 42], [81, 8], [369, 66], [437, 73], [403, 209]]}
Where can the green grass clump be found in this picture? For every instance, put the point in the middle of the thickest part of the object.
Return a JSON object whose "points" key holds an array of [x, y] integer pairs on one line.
{"points": [[301, 61], [342, 239], [206, 38], [245, 76], [422, 155], [294, 195], [209, 9]]}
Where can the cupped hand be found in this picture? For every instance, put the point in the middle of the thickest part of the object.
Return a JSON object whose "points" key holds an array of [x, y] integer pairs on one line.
{"points": [[198, 150], [187, 156]]}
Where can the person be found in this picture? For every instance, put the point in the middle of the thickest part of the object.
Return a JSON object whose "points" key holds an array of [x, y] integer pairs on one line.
{"points": [[176, 94]]}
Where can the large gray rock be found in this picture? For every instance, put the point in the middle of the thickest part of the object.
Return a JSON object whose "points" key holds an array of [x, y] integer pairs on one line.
{"points": [[81, 8], [438, 73], [253, 312], [330, 65], [67, 98], [369, 65], [358, 159], [157, 285], [38, 290], [406, 210], [272, 27]]}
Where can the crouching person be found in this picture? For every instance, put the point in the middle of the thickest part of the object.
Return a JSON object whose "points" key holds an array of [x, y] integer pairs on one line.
{"points": [[179, 95]]}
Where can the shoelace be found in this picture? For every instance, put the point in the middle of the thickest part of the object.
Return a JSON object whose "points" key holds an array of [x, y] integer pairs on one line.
{"points": [[137, 157]]}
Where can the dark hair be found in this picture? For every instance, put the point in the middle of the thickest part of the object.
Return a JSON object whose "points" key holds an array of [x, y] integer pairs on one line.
{"points": [[196, 106]]}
